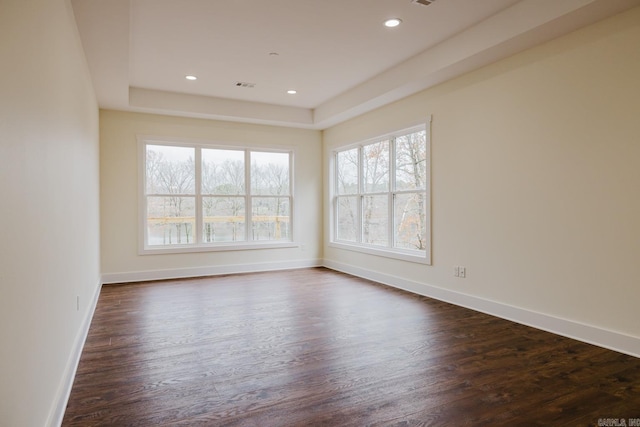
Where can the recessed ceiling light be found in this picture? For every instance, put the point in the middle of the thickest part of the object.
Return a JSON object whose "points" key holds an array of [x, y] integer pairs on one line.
{"points": [[191, 77], [393, 22], [292, 92]]}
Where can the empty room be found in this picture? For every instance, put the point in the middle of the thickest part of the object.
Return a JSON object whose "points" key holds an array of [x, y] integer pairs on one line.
{"points": [[301, 213]]}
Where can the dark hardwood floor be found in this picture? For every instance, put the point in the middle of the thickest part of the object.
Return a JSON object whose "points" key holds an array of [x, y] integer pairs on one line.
{"points": [[315, 347]]}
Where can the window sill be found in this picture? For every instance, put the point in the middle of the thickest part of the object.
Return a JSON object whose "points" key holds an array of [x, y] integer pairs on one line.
{"points": [[420, 258], [221, 247]]}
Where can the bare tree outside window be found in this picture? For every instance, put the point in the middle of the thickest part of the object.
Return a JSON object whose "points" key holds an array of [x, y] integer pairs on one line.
{"points": [[375, 210], [410, 183], [223, 190], [270, 179], [347, 166], [376, 167], [170, 188]]}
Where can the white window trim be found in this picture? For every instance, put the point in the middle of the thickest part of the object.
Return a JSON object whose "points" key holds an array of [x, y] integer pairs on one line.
{"points": [[387, 252], [144, 249]]}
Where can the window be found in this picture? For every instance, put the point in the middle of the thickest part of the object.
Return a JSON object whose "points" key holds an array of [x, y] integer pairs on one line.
{"points": [[380, 196], [201, 197]]}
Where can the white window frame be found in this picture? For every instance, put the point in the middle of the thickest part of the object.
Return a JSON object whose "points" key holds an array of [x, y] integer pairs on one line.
{"points": [[199, 245], [417, 256]]}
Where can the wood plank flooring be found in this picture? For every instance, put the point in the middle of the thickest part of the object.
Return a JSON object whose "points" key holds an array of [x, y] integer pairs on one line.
{"points": [[315, 347]]}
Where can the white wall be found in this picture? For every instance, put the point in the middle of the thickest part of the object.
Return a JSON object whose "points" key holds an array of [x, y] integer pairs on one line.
{"points": [[49, 207], [119, 197], [535, 181]]}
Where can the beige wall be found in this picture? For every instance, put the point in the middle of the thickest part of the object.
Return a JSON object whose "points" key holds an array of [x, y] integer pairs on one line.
{"points": [[49, 207], [119, 196], [535, 178]]}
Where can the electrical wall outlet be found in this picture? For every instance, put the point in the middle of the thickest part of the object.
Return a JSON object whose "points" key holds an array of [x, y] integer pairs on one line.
{"points": [[463, 272], [459, 271], [456, 271]]}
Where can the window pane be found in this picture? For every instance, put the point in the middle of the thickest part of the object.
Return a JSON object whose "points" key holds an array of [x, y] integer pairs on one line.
{"points": [[347, 224], [269, 173], [347, 169], [170, 220], [224, 219], [376, 167], [170, 170], [271, 218], [375, 221], [222, 172], [410, 224], [411, 161]]}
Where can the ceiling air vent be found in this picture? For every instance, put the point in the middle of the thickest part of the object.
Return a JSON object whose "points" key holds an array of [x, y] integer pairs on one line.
{"points": [[245, 84], [423, 2]]}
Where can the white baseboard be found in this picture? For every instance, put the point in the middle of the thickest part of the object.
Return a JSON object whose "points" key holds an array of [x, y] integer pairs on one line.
{"points": [[586, 333], [64, 391], [214, 270]]}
